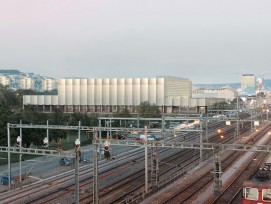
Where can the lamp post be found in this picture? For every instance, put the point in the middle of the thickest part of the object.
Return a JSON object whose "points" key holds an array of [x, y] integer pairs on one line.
{"points": [[47, 135], [9, 162], [201, 147], [77, 150], [267, 111], [146, 162], [19, 143], [237, 122]]}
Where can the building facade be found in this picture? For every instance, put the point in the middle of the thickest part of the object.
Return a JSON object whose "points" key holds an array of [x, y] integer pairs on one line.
{"points": [[27, 83], [4, 80], [228, 94], [170, 94], [248, 85], [48, 84]]}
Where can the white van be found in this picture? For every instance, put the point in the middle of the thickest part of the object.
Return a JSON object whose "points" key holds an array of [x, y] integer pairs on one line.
{"points": [[149, 137]]}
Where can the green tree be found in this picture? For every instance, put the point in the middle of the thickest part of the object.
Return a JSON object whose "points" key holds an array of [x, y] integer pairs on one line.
{"points": [[85, 119], [148, 110], [33, 136], [125, 113], [5, 117], [221, 106], [58, 118]]}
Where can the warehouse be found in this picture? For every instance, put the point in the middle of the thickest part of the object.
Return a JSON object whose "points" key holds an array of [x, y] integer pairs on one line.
{"points": [[170, 94]]}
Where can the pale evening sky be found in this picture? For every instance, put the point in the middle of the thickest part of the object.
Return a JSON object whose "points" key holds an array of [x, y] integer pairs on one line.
{"points": [[207, 41]]}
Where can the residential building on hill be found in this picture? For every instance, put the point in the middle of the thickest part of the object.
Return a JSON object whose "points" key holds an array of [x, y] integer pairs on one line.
{"points": [[27, 83], [48, 84], [4, 80]]}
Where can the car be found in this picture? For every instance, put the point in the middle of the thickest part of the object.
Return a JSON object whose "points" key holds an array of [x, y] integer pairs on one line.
{"points": [[156, 136], [84, 160], [65, 161], [119, 137], [4, 180], [149, 137], [191, 127]]}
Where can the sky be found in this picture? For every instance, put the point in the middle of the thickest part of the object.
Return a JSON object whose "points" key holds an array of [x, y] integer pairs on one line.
{"points": [[206, 41]]}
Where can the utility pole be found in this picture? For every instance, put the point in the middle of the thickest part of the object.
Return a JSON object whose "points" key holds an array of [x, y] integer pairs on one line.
{"points": [[47, 134], [9, 165], [77, 155], [163, 125], [95, 170], [251, 121], [201, 147], [237, 123], [206, 129], [79, 132], [146, 162], [217, 174], [154, 169], [21, 136]]}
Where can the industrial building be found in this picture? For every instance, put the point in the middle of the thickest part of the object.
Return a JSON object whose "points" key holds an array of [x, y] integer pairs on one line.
{"points": [[227, 93], [170, 94]]}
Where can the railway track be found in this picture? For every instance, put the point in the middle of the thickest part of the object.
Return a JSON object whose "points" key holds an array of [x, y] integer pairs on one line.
{"points": [[186, 194], [64, 184]]}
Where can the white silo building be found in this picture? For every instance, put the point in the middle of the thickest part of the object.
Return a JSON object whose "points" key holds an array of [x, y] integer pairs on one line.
{"points": [[170, 94]]}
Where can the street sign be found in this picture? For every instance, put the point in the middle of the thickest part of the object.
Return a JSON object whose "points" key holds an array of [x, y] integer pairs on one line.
{"points": [[256, 123], [228, 122]]}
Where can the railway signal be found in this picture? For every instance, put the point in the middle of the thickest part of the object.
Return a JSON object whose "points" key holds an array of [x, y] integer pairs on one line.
{"points": [[45, 142], [19, 141], [77, 147]]}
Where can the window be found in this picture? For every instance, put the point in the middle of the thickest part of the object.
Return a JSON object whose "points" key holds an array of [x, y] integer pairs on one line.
{"points": [[266, 195], [251, 193]]}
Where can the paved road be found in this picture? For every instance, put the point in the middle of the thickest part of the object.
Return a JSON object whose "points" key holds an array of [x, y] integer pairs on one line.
{"points": [[46, 166]]}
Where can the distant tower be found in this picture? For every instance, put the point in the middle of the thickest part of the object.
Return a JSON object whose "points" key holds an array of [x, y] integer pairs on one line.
{"points": [[248, 85], [260, 83]]}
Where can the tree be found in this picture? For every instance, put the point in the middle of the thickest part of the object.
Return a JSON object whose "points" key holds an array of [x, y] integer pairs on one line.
{"points": [[5, 117], [123, 113], [148, 110], [85, 119], [58, 118], [220, 106], [32, 116]]}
